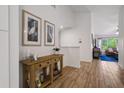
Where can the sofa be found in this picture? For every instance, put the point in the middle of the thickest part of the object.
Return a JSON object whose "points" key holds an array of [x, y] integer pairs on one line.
{"points": [[112, 52]]}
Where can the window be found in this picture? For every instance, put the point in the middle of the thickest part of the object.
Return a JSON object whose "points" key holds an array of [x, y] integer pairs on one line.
{"points": [[109, 43]]}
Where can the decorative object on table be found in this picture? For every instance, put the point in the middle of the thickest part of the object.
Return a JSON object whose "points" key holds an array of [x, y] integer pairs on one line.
{"points": [[56, 50], [31, 35], [32, 56], [35, 57], [79, 41], [41, 77], [49, 29], [38, 83]]}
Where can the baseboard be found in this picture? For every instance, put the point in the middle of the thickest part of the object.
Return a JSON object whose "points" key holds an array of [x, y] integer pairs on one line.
{"points": [[77, 67], [86, 61]]}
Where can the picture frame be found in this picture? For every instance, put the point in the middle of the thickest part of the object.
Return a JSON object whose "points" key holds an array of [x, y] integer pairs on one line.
{"points": [[49, 36], [31, 29]]}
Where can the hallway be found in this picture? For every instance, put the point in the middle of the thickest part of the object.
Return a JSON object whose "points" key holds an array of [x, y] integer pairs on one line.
{"points": [[90, 75]]}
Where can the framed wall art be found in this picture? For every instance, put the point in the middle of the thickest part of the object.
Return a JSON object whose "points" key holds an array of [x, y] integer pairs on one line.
{"points": [[31, 35], [49, 37]]}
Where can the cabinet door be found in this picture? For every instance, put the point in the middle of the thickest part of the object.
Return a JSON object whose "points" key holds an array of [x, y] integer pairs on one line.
{"points": [[4, 63], [4, 17]]}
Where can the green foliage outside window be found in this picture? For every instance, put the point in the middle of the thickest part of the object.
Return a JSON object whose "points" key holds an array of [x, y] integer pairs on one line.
{"points": [[109, 43]]}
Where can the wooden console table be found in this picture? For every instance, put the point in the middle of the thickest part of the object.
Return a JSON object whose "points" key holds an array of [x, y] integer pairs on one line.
{"points": [[42, 72]]}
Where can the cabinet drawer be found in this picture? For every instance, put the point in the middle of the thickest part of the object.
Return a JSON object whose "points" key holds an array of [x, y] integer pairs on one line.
{"points": [[56, 60], [41, 65]]}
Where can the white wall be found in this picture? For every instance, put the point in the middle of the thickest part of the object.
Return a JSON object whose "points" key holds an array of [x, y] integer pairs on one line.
{"points": [[4, 60], [61, 15], [83, 27], [65, 16], [121, 37], [9, 39], [4, 47], [46, 13], [69, 38], [71, 56], [4, 18], [80, 31]]}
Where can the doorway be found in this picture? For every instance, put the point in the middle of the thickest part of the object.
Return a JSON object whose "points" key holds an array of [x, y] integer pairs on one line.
{"points": [[109, 49]]}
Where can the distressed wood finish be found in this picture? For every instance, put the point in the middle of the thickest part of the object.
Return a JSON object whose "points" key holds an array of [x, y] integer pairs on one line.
{"points": [[30, 67], [91, 75]]}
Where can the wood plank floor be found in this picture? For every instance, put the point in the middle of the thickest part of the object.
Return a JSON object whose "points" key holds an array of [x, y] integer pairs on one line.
{"points": [[90, 75]]}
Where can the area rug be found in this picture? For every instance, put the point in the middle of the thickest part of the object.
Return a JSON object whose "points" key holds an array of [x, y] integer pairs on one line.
{"points": [[109, 58]]}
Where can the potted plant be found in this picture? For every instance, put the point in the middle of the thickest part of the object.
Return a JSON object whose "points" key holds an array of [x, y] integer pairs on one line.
{"points": [[56, 50]]}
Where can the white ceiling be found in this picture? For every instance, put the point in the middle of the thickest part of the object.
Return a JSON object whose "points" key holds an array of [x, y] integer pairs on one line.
{"points": [[103, 8], [79, 8], [104, 17]]}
